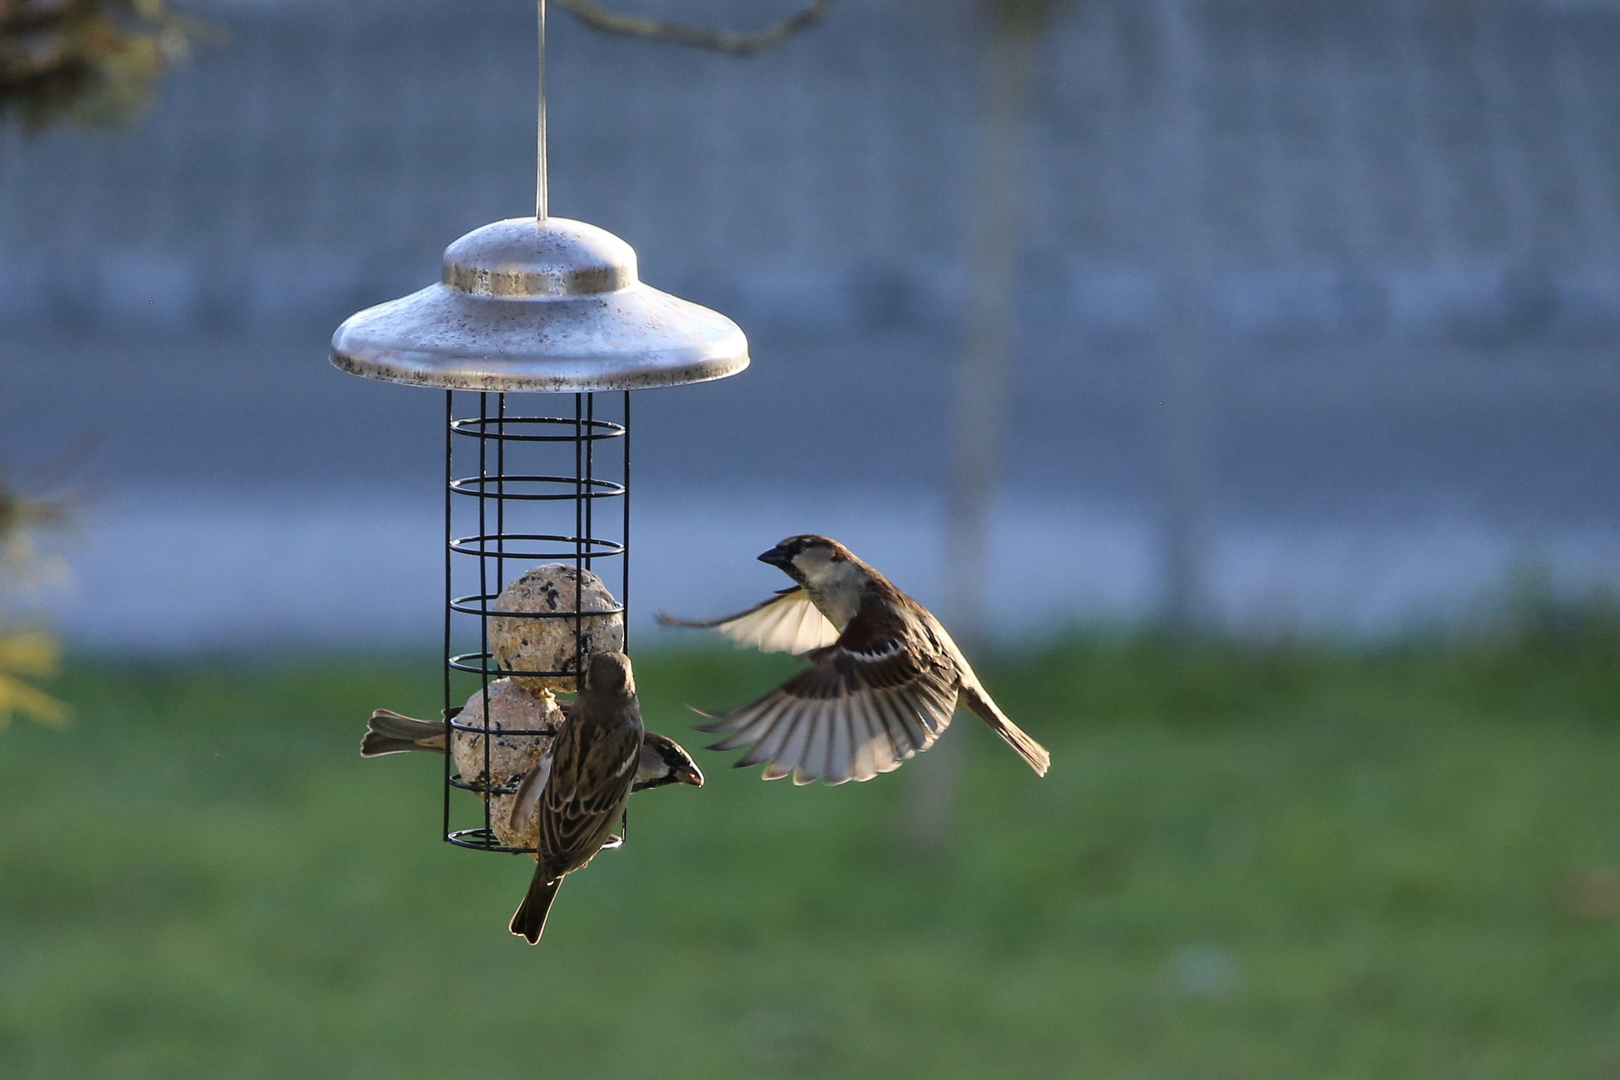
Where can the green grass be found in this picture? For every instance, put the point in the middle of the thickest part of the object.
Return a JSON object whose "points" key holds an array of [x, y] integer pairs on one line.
{"points": [[1245, 862]]}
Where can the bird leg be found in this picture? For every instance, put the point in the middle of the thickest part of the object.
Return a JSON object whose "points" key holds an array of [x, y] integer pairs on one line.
{"points": [[624, 831]]}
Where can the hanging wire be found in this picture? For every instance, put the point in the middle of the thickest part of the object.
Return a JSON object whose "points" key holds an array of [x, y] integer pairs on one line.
{"points": [[542, 196]]}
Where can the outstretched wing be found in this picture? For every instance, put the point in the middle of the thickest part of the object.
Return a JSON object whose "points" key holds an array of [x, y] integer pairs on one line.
{"points": [[865, 705], [788, 622]]}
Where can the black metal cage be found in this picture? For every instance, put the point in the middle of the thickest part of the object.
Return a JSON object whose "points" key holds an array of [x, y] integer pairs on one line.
{"points": [[525, 483]]}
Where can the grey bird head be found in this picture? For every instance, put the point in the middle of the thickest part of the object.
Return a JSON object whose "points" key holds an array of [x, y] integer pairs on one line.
{"points": [[820, 564], [609, 675], [673, 764]]}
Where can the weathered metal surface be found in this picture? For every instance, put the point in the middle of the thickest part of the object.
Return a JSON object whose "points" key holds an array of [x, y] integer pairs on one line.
{"points": [[550, 307]]}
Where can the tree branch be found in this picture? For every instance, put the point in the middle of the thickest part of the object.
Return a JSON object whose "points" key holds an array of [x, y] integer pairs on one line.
{"points": [[697, 37]]}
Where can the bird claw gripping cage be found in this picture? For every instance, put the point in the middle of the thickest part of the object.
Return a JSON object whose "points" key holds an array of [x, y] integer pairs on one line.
{"points": [[544, 327]]}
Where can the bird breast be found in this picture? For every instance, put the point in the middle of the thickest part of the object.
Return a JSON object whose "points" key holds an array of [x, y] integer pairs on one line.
{"points": [[836, 590]]}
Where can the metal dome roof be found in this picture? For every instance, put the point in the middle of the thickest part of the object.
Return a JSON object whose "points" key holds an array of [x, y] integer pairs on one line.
{"points": [[549, 305]]}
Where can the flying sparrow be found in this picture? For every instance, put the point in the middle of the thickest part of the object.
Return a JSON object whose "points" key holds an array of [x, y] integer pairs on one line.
{"points": [[884, 678], [663, 760], [593, 764]]}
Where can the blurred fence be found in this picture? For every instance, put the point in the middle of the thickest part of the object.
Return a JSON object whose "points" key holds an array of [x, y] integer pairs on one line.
{"points": [[1392, 225], [1419, 170]]}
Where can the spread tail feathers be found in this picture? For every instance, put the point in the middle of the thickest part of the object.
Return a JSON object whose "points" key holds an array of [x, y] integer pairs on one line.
{"points": [[977, 702], [530, 920], [388, 732]]}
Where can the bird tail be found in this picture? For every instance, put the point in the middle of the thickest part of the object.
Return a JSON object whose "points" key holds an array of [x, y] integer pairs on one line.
{"points": [[387, 732], [976, 701], [529, 922]]}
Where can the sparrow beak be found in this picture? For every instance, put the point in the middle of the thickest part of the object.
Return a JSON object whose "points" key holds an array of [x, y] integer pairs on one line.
{"points": [[693, 776], [776, 557]]}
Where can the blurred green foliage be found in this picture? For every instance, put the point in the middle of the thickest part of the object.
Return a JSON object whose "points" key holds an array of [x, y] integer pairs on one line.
{"points": [[90, 61], [26, 654], [1288, 860]]}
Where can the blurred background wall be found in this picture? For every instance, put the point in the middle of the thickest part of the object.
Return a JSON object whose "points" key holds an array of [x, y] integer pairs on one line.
{"points": [[1331, 288]]}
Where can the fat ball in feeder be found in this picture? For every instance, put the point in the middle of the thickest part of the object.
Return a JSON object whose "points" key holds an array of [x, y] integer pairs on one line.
{"points": [[533, 639], [495, 748]]}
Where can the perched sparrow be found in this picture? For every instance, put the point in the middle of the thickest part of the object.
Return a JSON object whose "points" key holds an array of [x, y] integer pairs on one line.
{"points": [[663, 760], [593, 764], [883, 682]]}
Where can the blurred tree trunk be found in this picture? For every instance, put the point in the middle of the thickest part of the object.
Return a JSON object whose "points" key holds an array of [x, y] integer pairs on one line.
{"points": [[1012, 49], [1183, 270]]}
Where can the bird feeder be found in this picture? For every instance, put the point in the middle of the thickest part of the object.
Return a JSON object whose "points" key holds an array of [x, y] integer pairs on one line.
{"points": [[537, 332]]}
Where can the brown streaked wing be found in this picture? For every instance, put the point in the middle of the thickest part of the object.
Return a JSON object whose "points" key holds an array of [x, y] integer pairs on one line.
{"points": [[840, 751], [893, 732], [886, 706], [864, 764], [815, 766], [581, 800], [903, 715], [749, 723], [783, 723], [791, 757]]}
